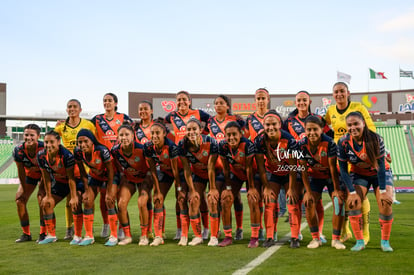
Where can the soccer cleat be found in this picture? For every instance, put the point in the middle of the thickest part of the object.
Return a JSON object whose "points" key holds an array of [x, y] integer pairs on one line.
{"points": [[41, 237], [183, 241], [227, 241], [322, 238], [69, 233], [76, 240], [87, 241], [254, 242], [48, 239], [396, 202], [205, 233], [105, 230], [239, 234], [261, 235], [315, 243], [143, 241], [294, 243], [385, 246], [337, 244], [121, 234], [157, 241], [112, 241], [177, 234], [269, 242], [196, 241], [358, 246], [275, 236], [125, 241], [24, 238], [213, 241]]}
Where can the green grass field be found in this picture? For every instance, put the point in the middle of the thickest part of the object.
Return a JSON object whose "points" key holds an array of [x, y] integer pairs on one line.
{"points": [[62, 258]]}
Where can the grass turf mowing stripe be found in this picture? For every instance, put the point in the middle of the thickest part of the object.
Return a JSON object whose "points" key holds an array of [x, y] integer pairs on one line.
{"points": [[271, 250]]}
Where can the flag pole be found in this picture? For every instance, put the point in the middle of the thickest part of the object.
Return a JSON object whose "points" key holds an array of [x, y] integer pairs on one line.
{"points": [[399, 76]]}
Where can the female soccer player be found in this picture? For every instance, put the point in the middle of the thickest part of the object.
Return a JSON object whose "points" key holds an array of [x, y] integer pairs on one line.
{"points": [[178, 119], [364, 150], [163, 152], [318, 158], [68, 131], [30, 176], [99, 160], [107, 125], [295, 125], [237, 155], [130, 160], [200, 153], [57, 165], [335, 116], [277, 167], [254, 125]]}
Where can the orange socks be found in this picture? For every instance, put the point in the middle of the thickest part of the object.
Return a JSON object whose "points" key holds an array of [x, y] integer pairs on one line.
{"points": [[294, 219], [386, 224], [158, 221], [355, 218], [255, 230], [214, 224], [204, 217], [113, 219], [185, 220], [270, 219], [321, 213], [50, 224], [102, 205], [25, 227], [196, 224], [127, 230]]}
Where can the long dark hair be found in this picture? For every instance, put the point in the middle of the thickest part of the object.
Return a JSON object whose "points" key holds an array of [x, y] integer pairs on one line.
{"points": [[371, 140], [114, 97], [67, 119]]}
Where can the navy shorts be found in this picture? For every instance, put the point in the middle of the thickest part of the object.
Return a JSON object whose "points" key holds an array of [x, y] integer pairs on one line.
{"points": [[95, 182], [368, 181], [62, 189], [282, 180], [32, 181], [317, 185]]}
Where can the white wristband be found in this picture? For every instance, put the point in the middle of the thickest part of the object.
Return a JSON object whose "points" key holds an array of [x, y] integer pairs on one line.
{"points": [[179, 188], [383, 191], [352, 193], [228, 187]]}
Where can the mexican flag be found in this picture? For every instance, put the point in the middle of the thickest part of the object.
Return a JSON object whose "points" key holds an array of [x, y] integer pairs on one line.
{"points": [[376, 75]]}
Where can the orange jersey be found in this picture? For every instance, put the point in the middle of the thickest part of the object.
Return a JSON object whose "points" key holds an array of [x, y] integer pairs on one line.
{"points": [[278, 156], [100, 156], [318, 162], [356, 155], [216, 127], [179, 121], [31, 166], [254, 125], [164, 156], [134, 166], [237, 159], [199, 160], [296, 126], [107, 130], [143, 134], [57, 170]]}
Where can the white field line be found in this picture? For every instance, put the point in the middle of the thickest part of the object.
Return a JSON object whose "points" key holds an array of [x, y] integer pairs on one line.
{"points": [[270, 251]]}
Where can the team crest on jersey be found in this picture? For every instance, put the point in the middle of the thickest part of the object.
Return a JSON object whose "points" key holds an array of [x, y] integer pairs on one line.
{"points": [[137, 159], [109, 133], [242, 154], [323, 154], [363, 156], [182, 128], [205, 153], [220, 136], [165, 155], [97, 161], [118, 121], [73, 132]]}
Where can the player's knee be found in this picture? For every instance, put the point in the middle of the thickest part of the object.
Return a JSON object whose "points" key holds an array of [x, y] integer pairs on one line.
{"points": [[142, 200], [21, 200], [227, 201]]}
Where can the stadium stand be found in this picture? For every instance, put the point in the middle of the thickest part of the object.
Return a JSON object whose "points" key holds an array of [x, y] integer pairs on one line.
{"points": [[395, 141], [10, 172], [5, 152]]}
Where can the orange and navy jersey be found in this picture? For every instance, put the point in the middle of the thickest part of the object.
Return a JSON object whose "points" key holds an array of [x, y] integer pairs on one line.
{"points": [[179, 121], [237, 158], [135, 166], [107, 130], [296, 125], [318, 161], [216, 127], [143, 134], [57, 170], [31, 166], [164, 156], [199, 160], [100, 156], [355, 154], [254, 125], [278, 156]]}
